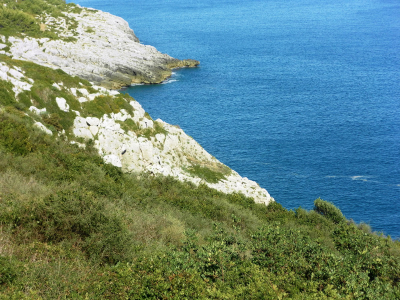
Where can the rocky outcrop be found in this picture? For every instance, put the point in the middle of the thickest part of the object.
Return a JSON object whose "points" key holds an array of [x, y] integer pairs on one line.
{"points": [[169, 153], [105, 51]]}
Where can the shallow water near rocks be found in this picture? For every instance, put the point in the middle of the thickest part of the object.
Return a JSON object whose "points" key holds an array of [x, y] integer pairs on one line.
{"points": [[301, 96]]}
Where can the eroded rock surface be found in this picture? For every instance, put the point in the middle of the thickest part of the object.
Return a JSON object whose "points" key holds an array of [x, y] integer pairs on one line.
{"points": [[170, 153], [106, 51]]}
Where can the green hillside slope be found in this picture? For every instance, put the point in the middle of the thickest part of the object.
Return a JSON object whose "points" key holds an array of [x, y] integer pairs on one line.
{"points": [[74, 227]]}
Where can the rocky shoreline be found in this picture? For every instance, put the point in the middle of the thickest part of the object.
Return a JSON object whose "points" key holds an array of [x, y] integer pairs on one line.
{"points": [[105, 51]]}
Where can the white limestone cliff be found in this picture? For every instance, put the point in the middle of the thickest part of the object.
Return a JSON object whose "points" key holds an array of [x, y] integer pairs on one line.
{"points": [[105, 51]]}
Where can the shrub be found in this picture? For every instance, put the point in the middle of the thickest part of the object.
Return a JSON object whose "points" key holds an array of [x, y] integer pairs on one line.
{"points": [[15, 137], [14, 21], [328, 210], [7, 96], [7, 271]]}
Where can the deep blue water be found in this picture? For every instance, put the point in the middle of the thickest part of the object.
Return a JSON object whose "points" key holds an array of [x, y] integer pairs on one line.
{"points": [[302, 96]]}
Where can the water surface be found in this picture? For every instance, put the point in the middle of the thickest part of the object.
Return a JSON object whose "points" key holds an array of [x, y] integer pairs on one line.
{"points": [[301, 96]]}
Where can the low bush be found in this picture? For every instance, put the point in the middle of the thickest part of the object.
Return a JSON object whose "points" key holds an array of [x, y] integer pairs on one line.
{"points": [[328, 210], [8, 271]]}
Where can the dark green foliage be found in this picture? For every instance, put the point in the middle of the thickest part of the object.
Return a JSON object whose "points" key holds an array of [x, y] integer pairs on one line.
{"points": [[25, 98], [7, 96], [129, 125], [43, 94], [328, 210], [7, 271], [15, 137], [54, 121], [14, 21], [206, 173]]}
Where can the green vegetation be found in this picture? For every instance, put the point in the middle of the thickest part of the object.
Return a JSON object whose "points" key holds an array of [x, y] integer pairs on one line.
{"points": [[206, 173], [329, 210], [106, 104], [19, 18], [43, 95], [7, 96], [89, 30], [130, 125], [74, 227]]}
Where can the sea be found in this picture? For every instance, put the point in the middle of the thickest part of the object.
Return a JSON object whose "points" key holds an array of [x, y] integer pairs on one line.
{"points": [[301, 96]]}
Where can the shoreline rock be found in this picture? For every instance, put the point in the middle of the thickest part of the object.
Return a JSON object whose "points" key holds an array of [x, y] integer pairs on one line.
{"points": [[106, 51]]}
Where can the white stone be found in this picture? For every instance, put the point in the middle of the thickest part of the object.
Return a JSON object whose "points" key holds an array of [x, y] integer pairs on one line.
{"points": [[113, 159], [91, 97], [146, 123], [92, 121], [62, 104], [16, 74], [83, 133], [94, 130], [37, 110], [84, 92], [80, 122]]}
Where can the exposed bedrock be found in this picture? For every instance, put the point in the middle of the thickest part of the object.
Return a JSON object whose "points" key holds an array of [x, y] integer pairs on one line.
{"points": [[106, 52]]}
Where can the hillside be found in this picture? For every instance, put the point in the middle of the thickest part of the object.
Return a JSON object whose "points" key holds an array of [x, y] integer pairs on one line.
{"points": [[100, 201]]}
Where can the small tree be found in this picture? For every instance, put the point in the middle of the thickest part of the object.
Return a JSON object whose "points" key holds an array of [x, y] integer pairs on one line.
{"points": [[328, 210]]}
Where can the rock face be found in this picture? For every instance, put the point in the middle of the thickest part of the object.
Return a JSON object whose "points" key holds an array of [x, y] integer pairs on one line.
{"points": [[106, 51], [170, 153]]}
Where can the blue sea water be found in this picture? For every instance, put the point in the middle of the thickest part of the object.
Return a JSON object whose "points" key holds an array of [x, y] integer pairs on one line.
{"points": [[302, 96]]}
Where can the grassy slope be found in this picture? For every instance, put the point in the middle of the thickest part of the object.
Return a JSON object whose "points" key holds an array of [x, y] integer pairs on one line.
{"points": [[23, 18], [73, 227]]}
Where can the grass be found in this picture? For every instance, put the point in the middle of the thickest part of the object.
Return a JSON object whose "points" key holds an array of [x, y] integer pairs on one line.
{"points": [[43, 95], [23, 18], [206, 173], [106, 104]]}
